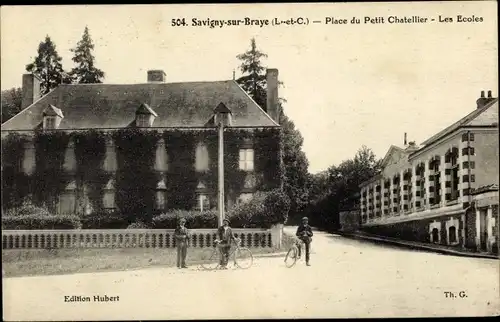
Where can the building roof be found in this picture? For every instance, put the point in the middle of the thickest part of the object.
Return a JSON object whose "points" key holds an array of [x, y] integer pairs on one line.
{"points": [[51, 110], [389, 153], [106, 106], [483, 189], [463, 121], [145, 109]]}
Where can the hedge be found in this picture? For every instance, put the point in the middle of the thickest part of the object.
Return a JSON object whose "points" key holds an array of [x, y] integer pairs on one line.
{"points": [[105, 220], [262, 211], [138, 225], [194, 219], [29, 216], [41, 222]]}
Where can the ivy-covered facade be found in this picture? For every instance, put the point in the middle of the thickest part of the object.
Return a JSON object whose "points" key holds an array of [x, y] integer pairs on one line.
{"points": [[61, 151]]}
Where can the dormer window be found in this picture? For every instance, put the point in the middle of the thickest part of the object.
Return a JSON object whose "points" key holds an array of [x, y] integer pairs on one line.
{"points": [[142, 121], [52, 117], [145, 116], [222, 115], [50, 122]]}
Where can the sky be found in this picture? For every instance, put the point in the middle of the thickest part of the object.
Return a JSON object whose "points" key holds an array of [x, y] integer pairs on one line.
{"points": [[346, 85]]}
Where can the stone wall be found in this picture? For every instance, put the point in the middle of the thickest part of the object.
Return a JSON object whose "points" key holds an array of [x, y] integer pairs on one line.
{"points": [[420, 230]]}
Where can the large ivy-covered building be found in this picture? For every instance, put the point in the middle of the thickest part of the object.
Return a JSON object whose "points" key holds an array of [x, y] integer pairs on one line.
{"points": [[139, 148]]}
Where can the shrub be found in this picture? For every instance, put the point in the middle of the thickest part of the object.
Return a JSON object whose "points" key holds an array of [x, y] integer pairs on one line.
{"points": [[27, 209], [105, 220], [41, 222], [194, 219], [138, 225], [29, 216], [262, 211]]}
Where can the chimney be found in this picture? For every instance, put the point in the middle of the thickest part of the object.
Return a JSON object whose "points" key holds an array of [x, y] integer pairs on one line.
{"points": [[405, 139], [31, 90], [272, 106], [483, 101], [156, 76]]}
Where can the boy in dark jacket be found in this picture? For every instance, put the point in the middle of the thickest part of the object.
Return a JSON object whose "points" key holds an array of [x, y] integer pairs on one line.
{"points": [[182, 242], [304, 233], [226, 236]]}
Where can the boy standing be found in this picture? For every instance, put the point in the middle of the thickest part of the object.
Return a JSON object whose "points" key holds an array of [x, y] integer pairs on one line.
{"points": [[304, 233], [225, 237], [182, 241]]}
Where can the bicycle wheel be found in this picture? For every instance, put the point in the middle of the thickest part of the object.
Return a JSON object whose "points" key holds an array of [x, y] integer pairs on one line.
{"points": [[291, 257], [209, 259], [243, 258]]}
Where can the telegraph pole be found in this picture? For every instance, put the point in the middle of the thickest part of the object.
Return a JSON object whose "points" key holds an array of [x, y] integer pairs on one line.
{"points": [[222, 117], [221, 171]]}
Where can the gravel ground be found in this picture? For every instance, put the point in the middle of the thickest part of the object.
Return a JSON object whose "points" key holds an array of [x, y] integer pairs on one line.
{"points": [[348, 278]]}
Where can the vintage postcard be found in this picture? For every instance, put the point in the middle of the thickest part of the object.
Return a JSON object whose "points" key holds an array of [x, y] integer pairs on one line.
{"points": [[250, 161]]}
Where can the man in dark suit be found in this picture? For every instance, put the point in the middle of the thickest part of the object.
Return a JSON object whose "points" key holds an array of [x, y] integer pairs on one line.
{"points": [[182, 241], [226, 236], [304, 233]]}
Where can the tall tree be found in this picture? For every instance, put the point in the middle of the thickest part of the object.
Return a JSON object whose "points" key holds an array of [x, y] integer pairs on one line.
{"points": [[85, 72], [340, 184], [253, 80], [295, 161], [295, 165], [11, 103], [47, 65]]}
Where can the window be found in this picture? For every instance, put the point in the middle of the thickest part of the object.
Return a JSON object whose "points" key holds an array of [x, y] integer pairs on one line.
{"points": [[472, 178], [435, 236], [246, 159], [454, 177], [422, 188], [28, 161], [161, 158], [50, 122], [110, 157], [202, 202], [161, 199], [67, 200], [469, 151], [201, 162], [70, 158], [437, 183], [161, 195], [467, 137], [109, 200], [67, 203], [452, 233]]}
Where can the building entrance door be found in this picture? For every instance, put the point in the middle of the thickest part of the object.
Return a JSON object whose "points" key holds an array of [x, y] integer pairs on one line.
{"points": [[483, 232], [435, 235]]}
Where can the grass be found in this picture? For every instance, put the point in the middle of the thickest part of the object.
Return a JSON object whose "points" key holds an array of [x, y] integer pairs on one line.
{"points": [[33, 262]]}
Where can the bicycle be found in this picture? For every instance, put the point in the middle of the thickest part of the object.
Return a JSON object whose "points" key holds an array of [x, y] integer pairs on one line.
{"points": [[242, 256], [292, 254]]}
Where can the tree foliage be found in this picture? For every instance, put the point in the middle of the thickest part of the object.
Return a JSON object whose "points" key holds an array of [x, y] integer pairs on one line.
{"points": [[11, 102], [85, 72], [47, 65], [253, 80], [337, 188], [295, 161]]}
